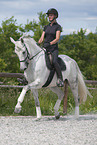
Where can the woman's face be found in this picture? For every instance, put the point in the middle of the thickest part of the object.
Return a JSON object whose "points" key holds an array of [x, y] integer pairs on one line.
{"points": [[51, 17]]}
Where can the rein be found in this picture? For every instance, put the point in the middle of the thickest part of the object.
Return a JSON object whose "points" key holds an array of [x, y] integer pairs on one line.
{"points": [[28, 55]]}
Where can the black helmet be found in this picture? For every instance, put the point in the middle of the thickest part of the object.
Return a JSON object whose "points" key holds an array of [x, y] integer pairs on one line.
{"points": [[52, 11]]}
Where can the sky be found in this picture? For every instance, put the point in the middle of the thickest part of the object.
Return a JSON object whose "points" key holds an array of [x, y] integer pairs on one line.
{"points": [[73, 14]]}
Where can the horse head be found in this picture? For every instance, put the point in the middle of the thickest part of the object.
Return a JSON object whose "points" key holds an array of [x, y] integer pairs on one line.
{"points": [[26, 48], [22, 53]]}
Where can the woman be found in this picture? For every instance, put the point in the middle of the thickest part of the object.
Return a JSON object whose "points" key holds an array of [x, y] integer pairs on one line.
{"points": [[51, 33]]}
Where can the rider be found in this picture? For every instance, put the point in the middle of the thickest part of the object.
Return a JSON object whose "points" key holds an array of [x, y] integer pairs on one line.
{"points": [[51, 33]]}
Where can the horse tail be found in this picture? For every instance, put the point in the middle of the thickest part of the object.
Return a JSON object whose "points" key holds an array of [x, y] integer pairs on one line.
{"points": [[82, 89]]}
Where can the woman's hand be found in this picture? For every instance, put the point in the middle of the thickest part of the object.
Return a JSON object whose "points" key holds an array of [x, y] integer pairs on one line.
{"points": [[46, 45]]}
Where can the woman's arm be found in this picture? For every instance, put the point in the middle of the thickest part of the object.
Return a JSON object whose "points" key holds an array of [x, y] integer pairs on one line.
{"points": [[42, 37], [56, 39]]}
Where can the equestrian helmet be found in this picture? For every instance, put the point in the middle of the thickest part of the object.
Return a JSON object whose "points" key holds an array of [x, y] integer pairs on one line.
{"points": [[52, 11]]}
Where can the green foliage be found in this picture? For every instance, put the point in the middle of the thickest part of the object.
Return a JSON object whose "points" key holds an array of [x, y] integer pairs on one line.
{"points": [[2, 64], [78, 46], [9, 28], [9, 96], [90, 105], [8, 59], [37, 27], [83, 49]]}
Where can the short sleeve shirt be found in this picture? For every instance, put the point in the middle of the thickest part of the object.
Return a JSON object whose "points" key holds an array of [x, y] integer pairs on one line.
{"points": [[50, 34]]}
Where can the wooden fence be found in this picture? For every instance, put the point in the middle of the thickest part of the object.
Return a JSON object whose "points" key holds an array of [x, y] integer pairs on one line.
{"points": [[11, 75], [21, 75]]}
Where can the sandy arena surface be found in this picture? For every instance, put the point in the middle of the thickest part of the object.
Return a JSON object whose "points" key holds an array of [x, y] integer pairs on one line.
{"points": [[27, 130]]}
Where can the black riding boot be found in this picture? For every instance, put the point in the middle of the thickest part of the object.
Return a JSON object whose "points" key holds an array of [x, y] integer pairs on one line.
{"points": [[60, 82]]}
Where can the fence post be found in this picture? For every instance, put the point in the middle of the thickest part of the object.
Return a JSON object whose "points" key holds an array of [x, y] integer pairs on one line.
{"points": [[65, 97]]}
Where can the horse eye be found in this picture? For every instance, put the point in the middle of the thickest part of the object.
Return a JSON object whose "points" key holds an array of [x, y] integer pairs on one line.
{"points": [[23, 52]]}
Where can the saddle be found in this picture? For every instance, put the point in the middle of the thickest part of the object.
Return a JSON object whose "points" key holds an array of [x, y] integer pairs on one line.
{"points": [[49, 64], [48, 59]]}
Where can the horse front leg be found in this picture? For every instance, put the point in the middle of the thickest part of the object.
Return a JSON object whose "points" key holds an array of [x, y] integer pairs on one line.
{"points": [[20, 100], [60, 95], [35, 84], [37, 104]]}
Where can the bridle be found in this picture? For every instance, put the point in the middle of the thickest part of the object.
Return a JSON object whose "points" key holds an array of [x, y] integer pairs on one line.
{"points": [[28, 55]]}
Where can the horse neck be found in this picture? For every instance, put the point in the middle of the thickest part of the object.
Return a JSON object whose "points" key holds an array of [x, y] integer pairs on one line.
{"points": [[33, 50], [32, 47]]}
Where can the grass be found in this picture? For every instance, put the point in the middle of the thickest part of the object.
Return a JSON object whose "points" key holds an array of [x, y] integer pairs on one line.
{"points": [[9, 96]]}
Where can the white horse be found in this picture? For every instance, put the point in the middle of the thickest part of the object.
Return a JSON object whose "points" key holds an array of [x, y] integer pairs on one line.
{"points": [[32, 62]]}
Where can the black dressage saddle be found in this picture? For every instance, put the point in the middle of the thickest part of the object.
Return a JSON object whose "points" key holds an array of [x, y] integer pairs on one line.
{"points": [[48, 59], [49, 64]]}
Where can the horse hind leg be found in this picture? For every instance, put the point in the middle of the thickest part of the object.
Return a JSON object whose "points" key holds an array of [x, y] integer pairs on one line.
{"points": [[74, 89], [60, 95]]}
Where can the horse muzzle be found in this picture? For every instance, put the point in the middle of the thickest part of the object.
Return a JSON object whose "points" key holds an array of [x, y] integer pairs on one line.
{"points": [[23, 65]]}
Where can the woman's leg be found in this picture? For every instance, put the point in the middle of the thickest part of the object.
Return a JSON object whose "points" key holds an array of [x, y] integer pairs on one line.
{"points": [[57, 68]]}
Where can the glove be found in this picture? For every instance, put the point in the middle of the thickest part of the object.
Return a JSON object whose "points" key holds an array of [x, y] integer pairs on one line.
{"points": [[37, 43], [47, 44]]}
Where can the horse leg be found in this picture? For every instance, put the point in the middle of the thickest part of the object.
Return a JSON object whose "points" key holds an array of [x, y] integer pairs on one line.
{"points": [[20, 100], [60, 95], [74, 89], [37, 104]]}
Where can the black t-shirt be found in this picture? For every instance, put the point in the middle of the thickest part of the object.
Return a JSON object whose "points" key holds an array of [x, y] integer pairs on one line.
{"points": [[50, 34]]}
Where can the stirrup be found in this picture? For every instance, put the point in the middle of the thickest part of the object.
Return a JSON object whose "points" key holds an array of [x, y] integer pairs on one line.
{"points": [[60, 83]]}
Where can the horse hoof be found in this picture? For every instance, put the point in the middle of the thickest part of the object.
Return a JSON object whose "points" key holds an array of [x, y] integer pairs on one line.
{"points": [[17, 110], [57, 116]]}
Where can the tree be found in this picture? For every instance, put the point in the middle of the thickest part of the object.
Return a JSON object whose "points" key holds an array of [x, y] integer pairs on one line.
{"points": [[8, 60], [9, 28], [83, 49], [37, 27], [78, 46]]}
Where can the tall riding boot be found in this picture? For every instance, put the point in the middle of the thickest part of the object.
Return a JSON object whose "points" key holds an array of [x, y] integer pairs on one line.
{"points": [[60, 82]]}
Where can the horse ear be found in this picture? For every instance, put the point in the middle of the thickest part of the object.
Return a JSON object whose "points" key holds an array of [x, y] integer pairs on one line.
{"points": [[22, 40], [12, 40]]}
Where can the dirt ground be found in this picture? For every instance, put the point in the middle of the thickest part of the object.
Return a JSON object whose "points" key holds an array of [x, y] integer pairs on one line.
{"points": [[27, 130]]}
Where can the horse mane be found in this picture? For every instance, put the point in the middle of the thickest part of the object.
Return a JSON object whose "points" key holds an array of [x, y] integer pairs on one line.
{"points": [[27, 36], [30, 40]]}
